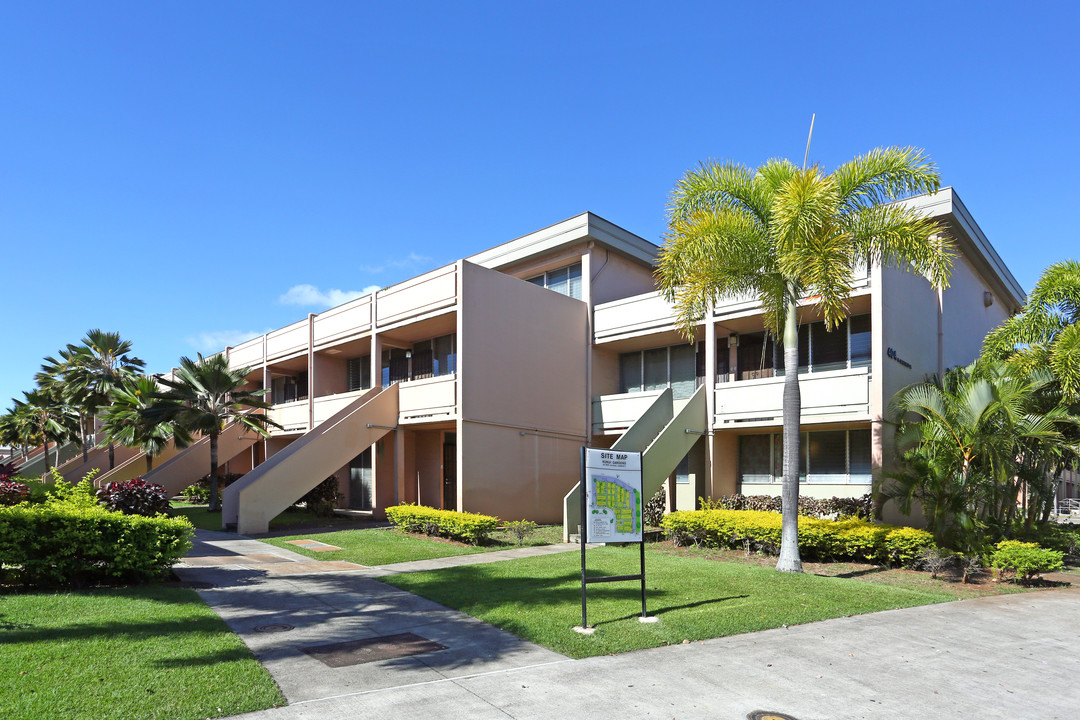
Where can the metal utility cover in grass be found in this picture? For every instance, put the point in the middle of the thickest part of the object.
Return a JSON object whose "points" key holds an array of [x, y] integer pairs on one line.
{"points": [[358, 652]]}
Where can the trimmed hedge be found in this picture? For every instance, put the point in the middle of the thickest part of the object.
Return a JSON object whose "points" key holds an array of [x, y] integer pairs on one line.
{"points": [[850, 539], [469, 527], [63, 544]]}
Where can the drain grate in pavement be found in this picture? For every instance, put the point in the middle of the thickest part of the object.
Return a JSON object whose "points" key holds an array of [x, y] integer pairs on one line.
{"points": [[357, 652], [274, 628]]}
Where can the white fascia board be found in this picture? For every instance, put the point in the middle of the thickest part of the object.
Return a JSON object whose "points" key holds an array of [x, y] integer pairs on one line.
{"points": [[973, 243], [580, 228]]}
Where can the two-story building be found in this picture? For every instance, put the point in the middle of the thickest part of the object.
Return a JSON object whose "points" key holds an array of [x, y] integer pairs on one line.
{"points": [[474, 386]]}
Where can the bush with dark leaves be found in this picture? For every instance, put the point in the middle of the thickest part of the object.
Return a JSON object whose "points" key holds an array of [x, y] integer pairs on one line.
{"points": [[322, 499], [135, 497], [13, 493]]}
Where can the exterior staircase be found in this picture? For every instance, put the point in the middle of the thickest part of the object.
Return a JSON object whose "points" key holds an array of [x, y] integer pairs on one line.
{"points": [[188, 465], [251, 502], [663, 436]]}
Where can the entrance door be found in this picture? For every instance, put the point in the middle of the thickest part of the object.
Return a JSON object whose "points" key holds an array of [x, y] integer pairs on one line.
{"points": [[449, 464], [360, 485]]}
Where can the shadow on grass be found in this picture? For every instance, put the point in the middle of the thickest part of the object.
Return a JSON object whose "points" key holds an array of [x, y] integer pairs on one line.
{"points": [[860, 573], [670, 608]]}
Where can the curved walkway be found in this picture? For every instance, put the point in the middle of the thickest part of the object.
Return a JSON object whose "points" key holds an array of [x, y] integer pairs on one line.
{"points": [[1012, 656]]}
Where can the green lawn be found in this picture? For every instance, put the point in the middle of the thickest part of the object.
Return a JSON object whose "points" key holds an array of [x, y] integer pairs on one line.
{"points": [[203, 519], [539, 598], [147, 652], [386, 546]]}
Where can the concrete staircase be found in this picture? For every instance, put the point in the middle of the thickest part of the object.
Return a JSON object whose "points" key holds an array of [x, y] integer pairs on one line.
{"points": [[663, 436], [251, 502]]}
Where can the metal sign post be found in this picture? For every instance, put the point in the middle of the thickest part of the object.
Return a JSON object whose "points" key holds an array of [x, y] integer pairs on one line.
{"points": [[612, 510]]}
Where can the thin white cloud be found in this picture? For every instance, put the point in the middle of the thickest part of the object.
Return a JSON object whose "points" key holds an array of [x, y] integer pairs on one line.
{"points": [[410, 260], [216, 340], [309, 295]]}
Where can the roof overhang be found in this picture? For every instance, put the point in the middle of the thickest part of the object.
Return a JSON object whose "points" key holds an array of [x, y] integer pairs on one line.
{"points": [[572, 231]]}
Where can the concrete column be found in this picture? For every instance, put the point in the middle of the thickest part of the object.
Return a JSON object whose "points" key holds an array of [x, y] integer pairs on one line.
{"points": [[710, 400], [399, 466], [311, 370], [586, 294], [267, 397]]}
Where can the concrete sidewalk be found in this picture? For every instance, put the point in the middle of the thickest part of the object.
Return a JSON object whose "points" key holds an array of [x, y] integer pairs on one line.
{"points": [[288, 608], [1011, 656]]}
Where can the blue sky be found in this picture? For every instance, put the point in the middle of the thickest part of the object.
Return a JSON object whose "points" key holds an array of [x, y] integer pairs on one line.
{"points": [[187, 173]]}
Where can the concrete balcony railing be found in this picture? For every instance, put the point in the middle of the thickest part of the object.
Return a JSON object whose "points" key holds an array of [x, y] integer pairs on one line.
{"points": [[651, 313], [328, 405], [293, 417], [838, 394], [429, 399], [615, 413]]}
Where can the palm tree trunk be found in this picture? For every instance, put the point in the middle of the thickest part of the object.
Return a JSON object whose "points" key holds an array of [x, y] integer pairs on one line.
{"points": [[789, 536], [82, 434], [45, 452], [215, 503], [149, 463], [112, 456]]}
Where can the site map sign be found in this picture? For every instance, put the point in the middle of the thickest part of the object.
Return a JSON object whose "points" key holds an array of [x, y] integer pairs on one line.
{"points": [[613, 503]]}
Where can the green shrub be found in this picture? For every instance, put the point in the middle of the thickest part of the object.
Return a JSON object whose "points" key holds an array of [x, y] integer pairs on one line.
{"points": [[1060, 537], [322, 499], [69, 543], [521, 529], [848, 539], [470, 527], [196, 494], [838, 507], [1025, 560]]}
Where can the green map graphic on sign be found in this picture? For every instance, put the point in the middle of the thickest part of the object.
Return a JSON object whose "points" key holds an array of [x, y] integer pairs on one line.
{"points": [[623, 501]]}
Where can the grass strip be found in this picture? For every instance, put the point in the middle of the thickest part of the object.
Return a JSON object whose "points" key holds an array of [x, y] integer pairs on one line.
{"points": [[539, 598], [387, 546], [151, 652]]}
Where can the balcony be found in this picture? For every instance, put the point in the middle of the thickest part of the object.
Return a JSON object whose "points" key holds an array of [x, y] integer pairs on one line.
{"points": [[427, 400], [650, 313], [292, 417], [615, 413], [835, 395]]}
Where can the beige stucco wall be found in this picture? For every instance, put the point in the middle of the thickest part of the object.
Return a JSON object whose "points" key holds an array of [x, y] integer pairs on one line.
{"points": [[427, 471], [615, 276], [522, 364], [328, 375], [965, 318]]}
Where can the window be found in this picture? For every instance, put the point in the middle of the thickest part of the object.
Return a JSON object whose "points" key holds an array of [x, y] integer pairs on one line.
{"points": [[826, 456], [358, 373], [820, 350], [427, 358], [289, 388], [675, 367], [682, 472], [565, 281]]}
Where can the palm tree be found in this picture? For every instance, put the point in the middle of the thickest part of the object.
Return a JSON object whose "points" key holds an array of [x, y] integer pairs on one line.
{"points": [[204, 397], [1046, 331], [782, 234], [971, 442], [126, 420], [11, 431], [54, 376], [44, 416], [100, 363]]}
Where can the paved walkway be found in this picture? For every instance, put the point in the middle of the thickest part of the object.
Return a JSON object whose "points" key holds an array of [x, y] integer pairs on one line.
{"points": [[1010, 656]]}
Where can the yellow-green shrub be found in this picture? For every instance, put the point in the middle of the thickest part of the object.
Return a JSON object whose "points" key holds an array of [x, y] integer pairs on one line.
{"points": [[470, 527], [1025, 559], [848, 539], [71, 544]]}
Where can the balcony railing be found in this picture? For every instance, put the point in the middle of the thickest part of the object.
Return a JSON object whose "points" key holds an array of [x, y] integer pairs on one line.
{"points": [[843, 393]]}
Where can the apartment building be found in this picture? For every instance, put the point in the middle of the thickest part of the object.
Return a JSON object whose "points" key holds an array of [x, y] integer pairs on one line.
{"points": [[474, 386]]}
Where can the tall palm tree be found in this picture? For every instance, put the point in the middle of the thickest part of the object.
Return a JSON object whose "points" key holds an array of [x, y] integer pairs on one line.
{"points": [[126, 420], [782, 234], [54, 375], [206, 395], [44, 416], [93, 368], [11, 431]]}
